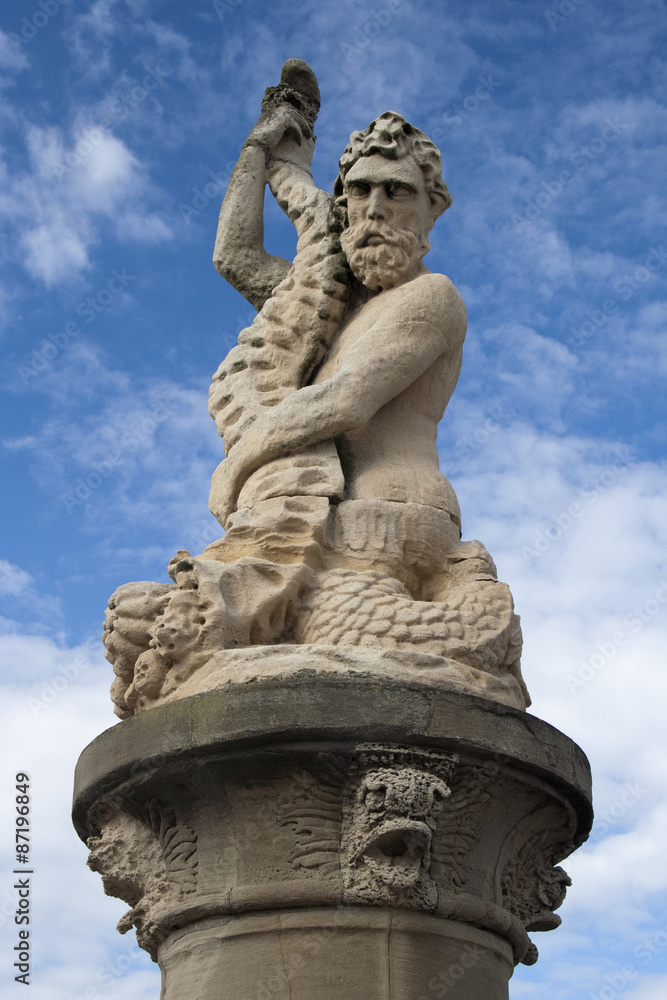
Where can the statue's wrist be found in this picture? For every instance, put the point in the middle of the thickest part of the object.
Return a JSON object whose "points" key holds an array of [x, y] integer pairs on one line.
{"points": [[251, 141], [256, 149]]}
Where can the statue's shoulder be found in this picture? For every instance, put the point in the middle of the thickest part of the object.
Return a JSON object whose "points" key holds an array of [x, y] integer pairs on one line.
{"points": [[436, 286], [438, 301]]}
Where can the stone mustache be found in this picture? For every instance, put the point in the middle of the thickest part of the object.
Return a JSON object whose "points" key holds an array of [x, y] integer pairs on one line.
{"points": [[342, 542]]}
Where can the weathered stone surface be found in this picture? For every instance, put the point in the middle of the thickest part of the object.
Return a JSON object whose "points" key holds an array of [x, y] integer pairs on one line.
{"points": [[326, 784], [281, 796], [297, 662], [340, 529], [351, 953]]}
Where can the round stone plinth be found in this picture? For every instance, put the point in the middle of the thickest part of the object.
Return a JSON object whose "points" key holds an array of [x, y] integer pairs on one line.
{"points": [[382, 824]]}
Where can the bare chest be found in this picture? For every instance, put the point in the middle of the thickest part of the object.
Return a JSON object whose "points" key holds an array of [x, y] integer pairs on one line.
{"points": [[356, 326]]}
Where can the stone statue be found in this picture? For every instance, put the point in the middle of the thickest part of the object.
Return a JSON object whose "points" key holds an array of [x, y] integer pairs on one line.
{"points": [[331, 787], [341, 533]]}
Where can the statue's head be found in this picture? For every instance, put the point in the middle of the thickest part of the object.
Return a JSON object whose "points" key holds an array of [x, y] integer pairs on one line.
{"points": [[392, 137], [388, 195]]}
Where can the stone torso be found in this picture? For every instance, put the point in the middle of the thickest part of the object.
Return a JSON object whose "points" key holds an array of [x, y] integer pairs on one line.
{"points": [[393, 456]]}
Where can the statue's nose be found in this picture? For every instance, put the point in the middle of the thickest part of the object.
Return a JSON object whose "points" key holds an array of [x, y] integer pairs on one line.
{"points": [[377, 204]]}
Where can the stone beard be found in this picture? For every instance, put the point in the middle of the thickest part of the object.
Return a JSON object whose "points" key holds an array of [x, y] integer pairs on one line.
{"points": [[385, 264]]}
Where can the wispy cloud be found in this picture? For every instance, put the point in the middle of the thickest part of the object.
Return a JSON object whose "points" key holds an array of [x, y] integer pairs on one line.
{"points": [[120, 112], [59, 211]]}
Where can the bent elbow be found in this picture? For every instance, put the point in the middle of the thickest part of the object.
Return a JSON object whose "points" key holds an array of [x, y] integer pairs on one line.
{"points": [[224, 265]]}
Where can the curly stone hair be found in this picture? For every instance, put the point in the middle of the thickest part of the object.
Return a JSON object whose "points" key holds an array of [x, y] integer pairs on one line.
{"points": [[393, 137]]}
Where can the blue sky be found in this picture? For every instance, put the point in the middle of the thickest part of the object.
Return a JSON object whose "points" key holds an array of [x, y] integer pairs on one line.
{"points": [[121, 121]]}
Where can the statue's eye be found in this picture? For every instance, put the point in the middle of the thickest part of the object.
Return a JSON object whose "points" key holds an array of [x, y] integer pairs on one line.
{"points": [[357, 189], [399, 190]]}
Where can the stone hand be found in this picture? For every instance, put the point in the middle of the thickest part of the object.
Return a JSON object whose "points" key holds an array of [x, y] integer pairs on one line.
{"points": [[257, 445], [285, 135]]}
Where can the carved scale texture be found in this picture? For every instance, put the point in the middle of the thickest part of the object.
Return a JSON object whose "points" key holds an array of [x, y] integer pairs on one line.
{"points": [[277, 354], [532, 884], [475, 625]]}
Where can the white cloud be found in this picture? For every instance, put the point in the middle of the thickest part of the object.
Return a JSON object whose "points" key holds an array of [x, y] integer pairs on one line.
{"points": [[13, 580], [651, 988], [145, 229], [23, 599], [53, 252], [12, 58], [75, 945], [590, 583], [178, 45], [59, 204], [142, 458], [89, 35]]}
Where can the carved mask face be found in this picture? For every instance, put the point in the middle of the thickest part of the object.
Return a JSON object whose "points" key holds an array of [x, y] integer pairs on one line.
{"points": [[389, 215], [395, 816]]}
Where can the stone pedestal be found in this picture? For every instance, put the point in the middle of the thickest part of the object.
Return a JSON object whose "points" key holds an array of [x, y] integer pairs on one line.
{"points": [[328, 838]]}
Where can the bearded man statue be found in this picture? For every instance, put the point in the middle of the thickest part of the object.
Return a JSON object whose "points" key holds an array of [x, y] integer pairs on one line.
{"points": [[341, 533]]}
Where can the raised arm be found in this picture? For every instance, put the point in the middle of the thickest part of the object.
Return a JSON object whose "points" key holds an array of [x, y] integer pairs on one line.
{"points": [[278, 152], [239, 253]]}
